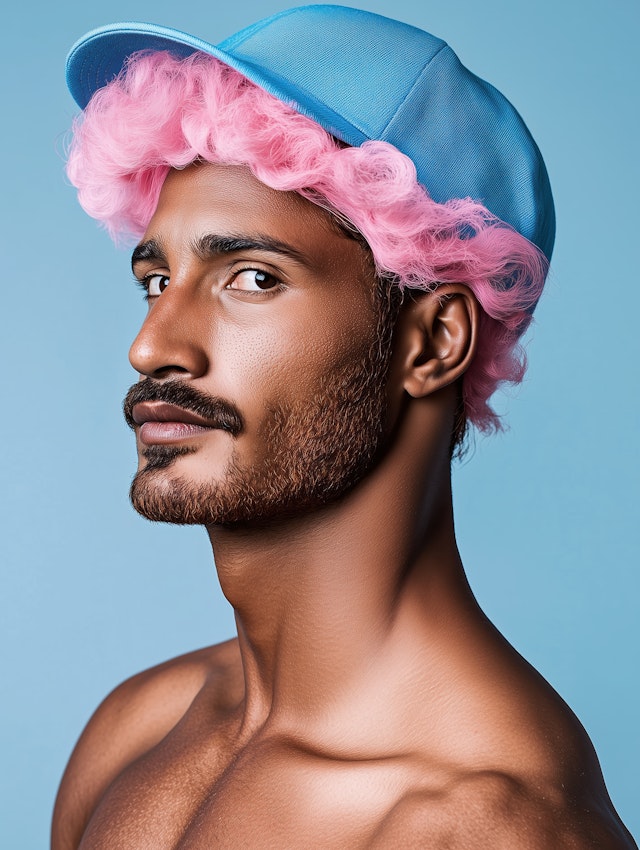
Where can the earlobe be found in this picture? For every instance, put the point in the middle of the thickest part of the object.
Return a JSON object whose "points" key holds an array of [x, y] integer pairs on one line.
{"points": [[441, 329]]}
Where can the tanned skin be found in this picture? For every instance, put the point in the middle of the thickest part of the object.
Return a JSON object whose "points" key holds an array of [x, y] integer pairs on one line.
{"points": [[367, 701]]}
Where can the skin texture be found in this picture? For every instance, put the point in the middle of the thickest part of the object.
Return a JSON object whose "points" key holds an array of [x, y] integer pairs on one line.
{"points": [[367, 701]]}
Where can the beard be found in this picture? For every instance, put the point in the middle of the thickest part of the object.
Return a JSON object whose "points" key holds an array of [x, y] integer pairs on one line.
{"points": [[314, 451]]}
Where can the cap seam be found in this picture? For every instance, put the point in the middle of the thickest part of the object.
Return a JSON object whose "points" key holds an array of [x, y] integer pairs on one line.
{"points": [[413, 87]]}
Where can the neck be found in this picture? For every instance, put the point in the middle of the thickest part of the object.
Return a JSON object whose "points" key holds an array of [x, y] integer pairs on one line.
{"points": [[322, 598]]}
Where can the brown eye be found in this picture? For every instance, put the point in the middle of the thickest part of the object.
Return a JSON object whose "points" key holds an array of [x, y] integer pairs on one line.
{"points": [[156, 284], [253, 280]]}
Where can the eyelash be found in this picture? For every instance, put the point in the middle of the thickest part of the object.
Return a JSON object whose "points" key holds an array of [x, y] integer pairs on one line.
{"points": [[279, 286], [144, 286]]}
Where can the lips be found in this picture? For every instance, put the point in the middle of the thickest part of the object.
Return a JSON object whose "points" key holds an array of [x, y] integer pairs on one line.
{"points": [[162, 411], [163, 423]]}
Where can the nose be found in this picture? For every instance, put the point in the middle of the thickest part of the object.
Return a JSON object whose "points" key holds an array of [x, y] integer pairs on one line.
{"points": [[173, 338]]}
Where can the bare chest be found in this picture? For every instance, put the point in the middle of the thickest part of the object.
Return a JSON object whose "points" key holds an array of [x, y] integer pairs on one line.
{"points": [[267, 795]]}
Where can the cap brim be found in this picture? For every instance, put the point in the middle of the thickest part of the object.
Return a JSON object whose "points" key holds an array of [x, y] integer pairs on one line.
{"points": [[99, 56]]}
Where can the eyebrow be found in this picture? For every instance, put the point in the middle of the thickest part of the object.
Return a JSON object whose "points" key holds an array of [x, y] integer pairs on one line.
{"points": [[149, 250], [214, 245]]}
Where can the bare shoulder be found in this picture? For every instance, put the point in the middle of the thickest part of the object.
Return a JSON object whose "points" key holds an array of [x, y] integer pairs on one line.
{"points": [[490, 809], [515, 769], [132, 719]]}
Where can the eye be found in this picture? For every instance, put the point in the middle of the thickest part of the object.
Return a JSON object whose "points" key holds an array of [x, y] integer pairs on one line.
{"points": [[155, 284], [253, 280]]}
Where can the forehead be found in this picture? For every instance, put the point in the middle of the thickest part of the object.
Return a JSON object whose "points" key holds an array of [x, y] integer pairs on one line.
{"points": [[230, 200]]}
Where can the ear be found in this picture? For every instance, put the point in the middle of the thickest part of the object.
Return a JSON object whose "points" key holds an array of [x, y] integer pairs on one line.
{"points": [[440, 338]]}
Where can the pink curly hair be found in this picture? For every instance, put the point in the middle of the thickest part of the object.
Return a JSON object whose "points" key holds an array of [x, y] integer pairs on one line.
{"points": [[163, 112]]}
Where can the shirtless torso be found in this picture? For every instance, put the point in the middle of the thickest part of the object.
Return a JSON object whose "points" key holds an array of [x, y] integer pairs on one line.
{"points": [[166, 763]]}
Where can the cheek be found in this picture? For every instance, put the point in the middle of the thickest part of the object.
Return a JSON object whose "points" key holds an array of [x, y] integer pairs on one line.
{"points": [[251, 360], [283, 355]]}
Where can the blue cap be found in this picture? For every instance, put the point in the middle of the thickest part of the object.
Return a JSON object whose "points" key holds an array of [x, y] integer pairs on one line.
{"points": [[363, 76]]}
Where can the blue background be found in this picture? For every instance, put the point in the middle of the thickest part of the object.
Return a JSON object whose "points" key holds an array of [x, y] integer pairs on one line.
{"points": [[547, 513]]}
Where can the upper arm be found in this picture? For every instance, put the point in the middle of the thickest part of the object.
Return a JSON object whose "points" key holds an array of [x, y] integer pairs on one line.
{"points": [[128, 723], [494, 810]]}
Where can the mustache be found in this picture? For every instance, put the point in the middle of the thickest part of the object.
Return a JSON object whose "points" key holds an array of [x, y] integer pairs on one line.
{"points": [[216, 410]]}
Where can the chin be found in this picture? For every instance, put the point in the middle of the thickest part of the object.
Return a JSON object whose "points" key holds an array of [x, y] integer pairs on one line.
{"points": [[253, 497]]}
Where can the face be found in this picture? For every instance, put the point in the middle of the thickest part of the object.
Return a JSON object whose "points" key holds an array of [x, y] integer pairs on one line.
{"points": [[263, 380]]}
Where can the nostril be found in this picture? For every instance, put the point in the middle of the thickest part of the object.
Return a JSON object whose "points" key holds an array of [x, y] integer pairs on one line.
{"points": [[167, 371]]}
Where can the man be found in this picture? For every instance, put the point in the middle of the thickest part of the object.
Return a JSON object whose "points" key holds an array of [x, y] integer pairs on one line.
{"points": [[342, 234]]}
